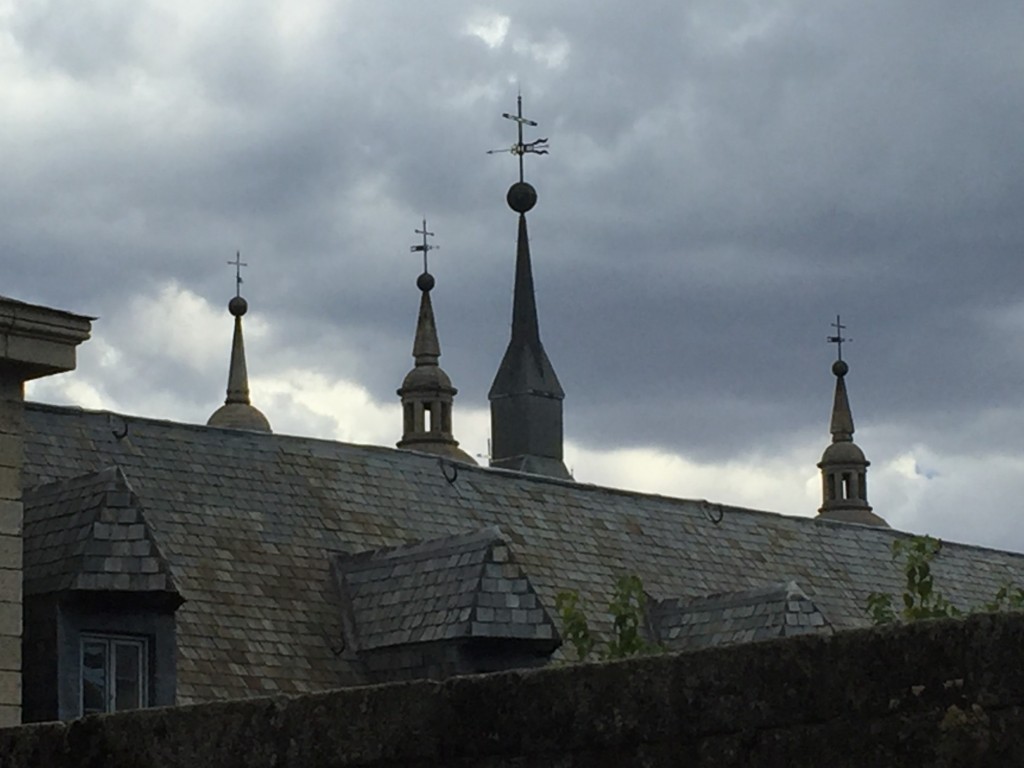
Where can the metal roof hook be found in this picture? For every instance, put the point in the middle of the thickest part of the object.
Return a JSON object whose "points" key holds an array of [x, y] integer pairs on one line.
{"points": [[451, 478], [118, 430]]}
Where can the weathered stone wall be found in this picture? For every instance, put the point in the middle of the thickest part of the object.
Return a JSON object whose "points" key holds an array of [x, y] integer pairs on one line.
{"points": [[947, 693], [11, 416], [34, 341]]}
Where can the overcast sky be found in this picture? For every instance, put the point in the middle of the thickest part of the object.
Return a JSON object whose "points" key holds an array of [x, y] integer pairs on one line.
{"points": [[724, 178]]}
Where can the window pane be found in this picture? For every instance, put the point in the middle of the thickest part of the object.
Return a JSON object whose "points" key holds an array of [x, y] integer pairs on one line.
{"points": [[128, 678], [94, 676]]}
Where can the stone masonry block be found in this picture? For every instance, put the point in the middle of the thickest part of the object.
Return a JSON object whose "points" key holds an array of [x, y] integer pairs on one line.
{"points": [[10, 619], [11, 516], [10, 653], [10, 484], [10, 552], [10, 584], [10, 715], [10, 451], [10, 687], [12, 396]]}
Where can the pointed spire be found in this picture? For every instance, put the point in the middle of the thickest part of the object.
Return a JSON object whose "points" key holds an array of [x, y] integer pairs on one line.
{"points": [[427, 393], [426, 349], [525, 368], [843, 465], [842, 420], [237, 411], [526, 396], [525, 328]]}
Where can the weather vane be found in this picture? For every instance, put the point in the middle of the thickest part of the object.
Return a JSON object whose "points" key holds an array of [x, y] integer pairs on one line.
{"points": [[538, 147], [425, 247], [238, 264], [838, 339]]}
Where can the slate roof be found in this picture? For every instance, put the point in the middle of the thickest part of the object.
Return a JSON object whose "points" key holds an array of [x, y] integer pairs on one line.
{"points": [[90, 533], [779, 610], [455, 587], [246, 522]]}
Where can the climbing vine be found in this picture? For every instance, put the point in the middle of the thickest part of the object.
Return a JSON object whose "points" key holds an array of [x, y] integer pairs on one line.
{"points": [[628, 611], [920, 599]]}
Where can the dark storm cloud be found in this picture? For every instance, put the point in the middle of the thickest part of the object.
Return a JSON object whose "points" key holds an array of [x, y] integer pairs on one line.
{"points": [[723, 179]]}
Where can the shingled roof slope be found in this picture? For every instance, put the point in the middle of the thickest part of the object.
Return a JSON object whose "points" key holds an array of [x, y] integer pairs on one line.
{"points": [[745, 616], [455, 587], [246, 521], [89, 533]]}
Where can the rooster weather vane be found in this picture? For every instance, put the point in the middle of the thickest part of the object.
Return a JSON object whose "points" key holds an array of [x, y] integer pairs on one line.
{"points": [[520, 148]]}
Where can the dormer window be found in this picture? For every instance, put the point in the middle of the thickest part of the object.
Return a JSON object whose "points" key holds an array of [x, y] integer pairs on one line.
{"points": [[114, 673]]}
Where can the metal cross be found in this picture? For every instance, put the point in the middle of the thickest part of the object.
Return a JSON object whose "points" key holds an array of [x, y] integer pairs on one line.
{"points": [[238, 264], [538, 147], [838, 339], [424, 247]]}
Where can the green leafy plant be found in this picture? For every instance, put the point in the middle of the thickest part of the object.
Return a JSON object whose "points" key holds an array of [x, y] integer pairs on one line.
{"points": [[628, 610], [920, 598], [575, 626], [628, 605], [1008, 598]]}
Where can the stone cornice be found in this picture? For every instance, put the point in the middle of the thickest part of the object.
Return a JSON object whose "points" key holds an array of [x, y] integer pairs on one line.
{"points": [[38, 341]]}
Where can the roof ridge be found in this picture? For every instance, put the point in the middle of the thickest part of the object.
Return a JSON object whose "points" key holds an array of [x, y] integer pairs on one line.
{"points": [[478, 587]]}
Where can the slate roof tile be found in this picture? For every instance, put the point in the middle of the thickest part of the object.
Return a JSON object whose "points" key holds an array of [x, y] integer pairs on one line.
{"points": [[431, 590], [741, 616], [72, 542], [253, 534]]}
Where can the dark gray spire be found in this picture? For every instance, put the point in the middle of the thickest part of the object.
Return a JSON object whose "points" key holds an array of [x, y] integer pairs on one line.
{"points": [[525, 367], [427, 392], [526, 397], [843, 465]]}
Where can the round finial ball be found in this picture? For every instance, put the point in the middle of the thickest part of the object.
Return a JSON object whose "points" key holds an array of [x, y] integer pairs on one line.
{"points": [[425, 282], [238, 306], [840, 368], [521, 197]]}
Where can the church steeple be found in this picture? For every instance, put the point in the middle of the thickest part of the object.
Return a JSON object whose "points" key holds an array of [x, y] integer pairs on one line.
{"points": [[843, 465], [237, 411], [427, 392], [526, 396]]}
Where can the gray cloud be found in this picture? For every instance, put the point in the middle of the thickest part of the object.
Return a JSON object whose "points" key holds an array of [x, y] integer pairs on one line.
{"points": [[722, 182]]}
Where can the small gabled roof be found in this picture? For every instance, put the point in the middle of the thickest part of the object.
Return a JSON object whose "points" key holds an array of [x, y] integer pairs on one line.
{"points": [[452, 588], [89, 533], [778, 610]]}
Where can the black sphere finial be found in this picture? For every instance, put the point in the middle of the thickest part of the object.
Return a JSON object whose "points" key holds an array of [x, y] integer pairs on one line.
{"points": [[840, 368], [238, 306], [521, 197], [425, 282]]}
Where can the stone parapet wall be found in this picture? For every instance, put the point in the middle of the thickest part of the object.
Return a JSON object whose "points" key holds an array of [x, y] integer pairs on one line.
{"points": [[947, 693]]}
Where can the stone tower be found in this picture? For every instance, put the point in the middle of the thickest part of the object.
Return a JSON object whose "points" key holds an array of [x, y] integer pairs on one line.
{"points": [[427, 392], [526, 397], [238, 412], [843, 465]]}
